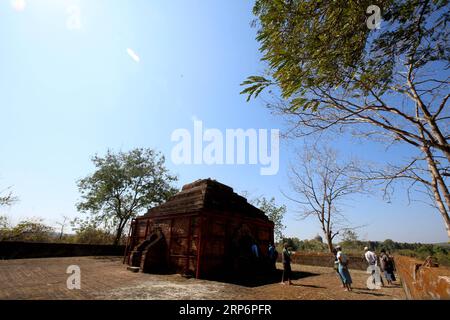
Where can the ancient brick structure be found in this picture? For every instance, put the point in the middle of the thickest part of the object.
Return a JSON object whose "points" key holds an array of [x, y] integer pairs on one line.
{"points": [[206, 231], [422, 282]]}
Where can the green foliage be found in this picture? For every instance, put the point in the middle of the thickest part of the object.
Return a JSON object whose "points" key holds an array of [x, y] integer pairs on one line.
{"points": [[293, 243], [4, 222], [32, 230], [123, 185], [274, 212], [35, 230], [441, 253], [389, 245], [312, 246], [255, 84], [93, 235], [332, 72], [5, 227], [296, 244], [349, 236], [315, 45]]}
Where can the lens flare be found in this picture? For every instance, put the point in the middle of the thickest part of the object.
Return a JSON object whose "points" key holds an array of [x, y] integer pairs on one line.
{"points": [[18, 5]]}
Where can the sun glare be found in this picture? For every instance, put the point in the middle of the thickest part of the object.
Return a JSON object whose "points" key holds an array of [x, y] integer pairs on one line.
{"points": [[18, 5]]}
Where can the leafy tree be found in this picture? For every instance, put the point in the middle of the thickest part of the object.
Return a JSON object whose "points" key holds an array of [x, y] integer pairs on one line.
{"points": [[312, 245], [90, 234], [5, 226], [389, 245], [32, 230], [349, 236], [6, 199], [388, 85], [123, 185], [293, 243], [4, 222], [274, 212]]}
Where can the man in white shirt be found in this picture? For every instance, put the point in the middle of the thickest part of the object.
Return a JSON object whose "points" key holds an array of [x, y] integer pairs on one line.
{"points": [[371, 257], [372, 260]]}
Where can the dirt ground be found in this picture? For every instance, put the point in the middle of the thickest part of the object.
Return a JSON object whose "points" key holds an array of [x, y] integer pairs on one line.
{"points": [[107, 278]]}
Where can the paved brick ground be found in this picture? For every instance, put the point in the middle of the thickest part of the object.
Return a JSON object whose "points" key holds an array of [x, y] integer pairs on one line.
{"points": [[107, 278]]}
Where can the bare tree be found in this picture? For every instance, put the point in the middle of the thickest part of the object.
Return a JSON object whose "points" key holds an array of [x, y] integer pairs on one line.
{"points": [[62, 224], [320, 184], [7, 198]]}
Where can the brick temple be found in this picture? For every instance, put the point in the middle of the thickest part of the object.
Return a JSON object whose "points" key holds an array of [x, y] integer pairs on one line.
{"points": [[206, 230]]}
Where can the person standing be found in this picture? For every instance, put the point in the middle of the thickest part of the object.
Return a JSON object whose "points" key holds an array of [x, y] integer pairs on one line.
{"points": [[255, 250], [273, 255], [336, 267], [392, 263], [343, 269], [372, 260], [286, 259], [387, 266], [370, 256]]}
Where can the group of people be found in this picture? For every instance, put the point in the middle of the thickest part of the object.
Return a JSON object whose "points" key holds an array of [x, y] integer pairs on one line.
{"points": [[384, 263], [285, 258]]}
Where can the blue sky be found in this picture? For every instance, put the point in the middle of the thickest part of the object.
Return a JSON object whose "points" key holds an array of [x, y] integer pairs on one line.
{"points": [[68, 91]]}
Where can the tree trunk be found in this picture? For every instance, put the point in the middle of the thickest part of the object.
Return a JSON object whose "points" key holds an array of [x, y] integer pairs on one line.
{"points": [[447, 224], [329, 242], [441, 206], [328, 237], [119, 232], [438, 186]]}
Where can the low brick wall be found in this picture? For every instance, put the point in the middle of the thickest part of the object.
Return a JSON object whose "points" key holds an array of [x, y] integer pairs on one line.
{"points": [[25, 250], [326, 260], [423, 283]]}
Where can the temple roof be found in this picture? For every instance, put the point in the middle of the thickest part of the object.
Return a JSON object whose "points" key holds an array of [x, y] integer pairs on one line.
{"points": [[207, 194]]}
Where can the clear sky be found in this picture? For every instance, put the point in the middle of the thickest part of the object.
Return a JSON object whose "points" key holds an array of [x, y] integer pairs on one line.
{"points": [[79, 77]]}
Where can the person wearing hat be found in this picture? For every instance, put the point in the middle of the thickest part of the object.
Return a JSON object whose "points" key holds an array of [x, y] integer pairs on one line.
{"points": [[372, 260], [343, 269]]}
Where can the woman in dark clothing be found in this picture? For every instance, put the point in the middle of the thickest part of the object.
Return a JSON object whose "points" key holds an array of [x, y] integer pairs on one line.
{"points": [[387, 266], [286, 259]]}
